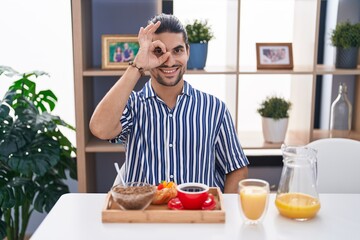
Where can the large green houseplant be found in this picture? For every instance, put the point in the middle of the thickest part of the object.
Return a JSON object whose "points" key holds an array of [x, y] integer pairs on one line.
{"points": [[34, 154], [275, 114], [199, 34], [346, 38]]}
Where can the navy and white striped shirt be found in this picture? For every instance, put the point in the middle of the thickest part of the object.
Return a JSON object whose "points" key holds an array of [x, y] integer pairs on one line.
{"points": [[194, 142]]}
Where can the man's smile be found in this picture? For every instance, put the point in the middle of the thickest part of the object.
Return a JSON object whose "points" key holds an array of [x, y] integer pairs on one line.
{"points": [[169, 70]]}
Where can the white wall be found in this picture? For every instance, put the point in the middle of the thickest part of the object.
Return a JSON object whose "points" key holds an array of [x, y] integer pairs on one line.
{"points": [[36, 35]]}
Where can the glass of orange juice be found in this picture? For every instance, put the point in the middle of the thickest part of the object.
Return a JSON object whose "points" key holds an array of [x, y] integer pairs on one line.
{"points": [[253, 198]]}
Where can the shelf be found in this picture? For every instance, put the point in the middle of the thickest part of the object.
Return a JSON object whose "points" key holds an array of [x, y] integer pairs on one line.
{"points": [[251, 141], [320, 70], [213, 70], [96, 72], [254, 140], [325, 69], [97, 145], [99, 72], [296, 70], [320, 134]]}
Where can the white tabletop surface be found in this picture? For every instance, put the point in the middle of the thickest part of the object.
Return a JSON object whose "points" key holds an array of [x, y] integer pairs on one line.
{"points": [[78, 216]]}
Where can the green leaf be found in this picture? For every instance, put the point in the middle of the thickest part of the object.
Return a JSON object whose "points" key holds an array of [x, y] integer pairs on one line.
{"points": [[16, 131], [24, 87], [4, 111], [68, 151], [48, 97], [8, 71], [2, 227], [36, 73], [19, 102], [7, 187], [38, 156], [51, 190], [61, 122], [46, 120], [12, 192], [15, 136]]}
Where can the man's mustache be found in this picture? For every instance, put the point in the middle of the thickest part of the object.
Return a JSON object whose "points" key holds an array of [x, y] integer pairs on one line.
{"points": [[165, 66]]}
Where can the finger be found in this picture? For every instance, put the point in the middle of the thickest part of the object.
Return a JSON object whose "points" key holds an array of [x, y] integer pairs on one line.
{"points": [[149, 26], [141, 34], [158, 43], [141, 31], [154, 27]]}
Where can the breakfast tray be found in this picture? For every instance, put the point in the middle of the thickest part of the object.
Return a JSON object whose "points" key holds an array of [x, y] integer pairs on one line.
{"points": [[111, 213]]}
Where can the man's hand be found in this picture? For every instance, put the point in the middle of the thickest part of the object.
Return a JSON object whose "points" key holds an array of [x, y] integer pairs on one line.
{"points": [[151, 53]]}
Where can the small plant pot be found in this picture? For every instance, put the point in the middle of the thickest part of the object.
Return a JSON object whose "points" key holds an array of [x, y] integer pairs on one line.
{"points": [[274, 131], [346, 58], [198, 55]]}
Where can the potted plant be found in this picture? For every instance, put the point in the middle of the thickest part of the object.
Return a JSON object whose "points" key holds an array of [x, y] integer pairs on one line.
{"points": [[199, 34], [275, 115], [35, 156], [346, 38]]}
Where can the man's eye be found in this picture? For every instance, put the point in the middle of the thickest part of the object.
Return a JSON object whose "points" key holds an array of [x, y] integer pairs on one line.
{"points": [[158, 51], [178, 50]]}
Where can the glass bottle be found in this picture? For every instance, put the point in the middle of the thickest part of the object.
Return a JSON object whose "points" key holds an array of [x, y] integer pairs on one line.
{"points": [[341, 114]]}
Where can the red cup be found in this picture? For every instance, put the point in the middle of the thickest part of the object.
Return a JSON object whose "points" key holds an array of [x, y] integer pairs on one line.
{"points": [[192, 195]]}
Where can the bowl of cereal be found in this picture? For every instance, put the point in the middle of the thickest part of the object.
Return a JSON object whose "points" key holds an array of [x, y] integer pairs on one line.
{"points": [[133, 195]]}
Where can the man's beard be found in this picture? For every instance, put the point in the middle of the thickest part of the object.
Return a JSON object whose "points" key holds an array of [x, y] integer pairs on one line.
{"points": [[161, 81]]}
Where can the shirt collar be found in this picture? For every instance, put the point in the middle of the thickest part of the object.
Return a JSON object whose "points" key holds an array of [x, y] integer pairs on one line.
{"points": [[149, 92]]}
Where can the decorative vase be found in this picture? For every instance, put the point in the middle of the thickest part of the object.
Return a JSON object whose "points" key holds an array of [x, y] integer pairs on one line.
{"points": [[274, 131], [198, 55], [346, 57]]}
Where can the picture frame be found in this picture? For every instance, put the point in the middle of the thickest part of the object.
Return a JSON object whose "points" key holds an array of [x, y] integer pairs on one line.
{"points": [[274, 56], [118, 50]]}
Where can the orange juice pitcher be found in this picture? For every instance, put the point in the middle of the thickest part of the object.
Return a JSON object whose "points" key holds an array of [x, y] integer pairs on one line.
{"points": [[297, 196]]}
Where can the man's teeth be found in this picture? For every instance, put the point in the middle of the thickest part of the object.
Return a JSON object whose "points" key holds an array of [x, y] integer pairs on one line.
{"points": [[169, 71]]}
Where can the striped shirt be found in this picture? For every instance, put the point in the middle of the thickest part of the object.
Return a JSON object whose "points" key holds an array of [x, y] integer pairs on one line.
{"points": [[194, 142]]}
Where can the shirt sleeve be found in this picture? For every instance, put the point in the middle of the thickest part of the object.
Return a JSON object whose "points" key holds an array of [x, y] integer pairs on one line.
{"points": [[229, 153], [126, 121]]}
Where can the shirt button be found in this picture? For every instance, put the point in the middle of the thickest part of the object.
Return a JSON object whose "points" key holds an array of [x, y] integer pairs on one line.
{"points": [[171, 176], [170, 145], [170, 115]]}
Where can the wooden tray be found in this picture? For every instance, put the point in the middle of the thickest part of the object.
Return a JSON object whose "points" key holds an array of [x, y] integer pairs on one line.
{"points": [[111, 213]]}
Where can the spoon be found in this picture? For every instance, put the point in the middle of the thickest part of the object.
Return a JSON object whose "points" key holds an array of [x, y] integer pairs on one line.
{"points": [[119, 173]]}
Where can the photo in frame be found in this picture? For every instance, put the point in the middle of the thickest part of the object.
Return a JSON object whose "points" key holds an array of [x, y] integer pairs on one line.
{"points": [[274, 56], [118, 50]]}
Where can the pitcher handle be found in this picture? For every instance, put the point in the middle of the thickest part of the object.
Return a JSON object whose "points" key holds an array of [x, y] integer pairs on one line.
{"points": [[314, 154]]}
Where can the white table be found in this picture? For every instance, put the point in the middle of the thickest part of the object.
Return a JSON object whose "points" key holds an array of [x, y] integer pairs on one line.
{"points": [[78, 216]]}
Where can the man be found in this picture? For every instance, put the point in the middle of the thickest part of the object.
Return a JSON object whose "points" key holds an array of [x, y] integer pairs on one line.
{"points": [[128, 53], [172, 131]]}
